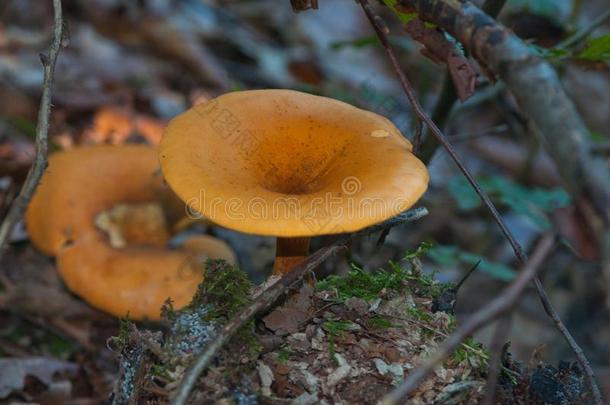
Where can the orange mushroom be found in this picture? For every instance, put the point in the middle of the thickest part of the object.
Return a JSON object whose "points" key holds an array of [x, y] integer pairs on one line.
{"points": [[292, 165], [99, 210]]}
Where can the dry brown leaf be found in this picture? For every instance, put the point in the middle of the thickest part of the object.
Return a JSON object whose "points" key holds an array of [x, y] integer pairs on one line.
{"points": [[289, 317]]}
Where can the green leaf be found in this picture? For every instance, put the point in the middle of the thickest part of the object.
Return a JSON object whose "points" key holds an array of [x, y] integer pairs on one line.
{"points": [[597, 49], [449, 255], [533, 203]]}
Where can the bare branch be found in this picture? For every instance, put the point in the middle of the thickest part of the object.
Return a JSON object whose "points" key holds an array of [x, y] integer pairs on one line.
{"points": [[42, 132], [500, 305]]}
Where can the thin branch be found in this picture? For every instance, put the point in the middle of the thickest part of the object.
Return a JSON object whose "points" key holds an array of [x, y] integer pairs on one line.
{"points": [[408, 89], [20, 203], [268, 297], [581, 35], [500, 305]]}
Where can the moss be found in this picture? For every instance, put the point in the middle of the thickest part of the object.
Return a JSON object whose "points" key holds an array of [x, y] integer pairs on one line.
{"points": [[366, 285], [226, 288], [223, 292], [361, 284]]}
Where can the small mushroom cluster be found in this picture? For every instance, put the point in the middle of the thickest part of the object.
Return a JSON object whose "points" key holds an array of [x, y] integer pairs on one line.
{"points": [[291, 165], [103, 212], [269, 162]]}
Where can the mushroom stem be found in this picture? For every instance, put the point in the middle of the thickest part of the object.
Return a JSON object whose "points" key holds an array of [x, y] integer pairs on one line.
{"points": [[289, 252]]}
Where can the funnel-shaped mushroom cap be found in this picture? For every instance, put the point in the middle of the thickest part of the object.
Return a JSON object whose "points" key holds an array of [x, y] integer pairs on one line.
{"points": [[134, 280], [285, 163], [82, 182], [116, 188]]}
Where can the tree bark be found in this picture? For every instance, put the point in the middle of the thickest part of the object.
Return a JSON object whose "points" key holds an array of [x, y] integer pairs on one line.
{"points": [[536, 88]]}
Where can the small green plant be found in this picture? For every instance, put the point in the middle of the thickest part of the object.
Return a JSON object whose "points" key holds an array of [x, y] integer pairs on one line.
{"points": [[368, 286], [419, 252]]}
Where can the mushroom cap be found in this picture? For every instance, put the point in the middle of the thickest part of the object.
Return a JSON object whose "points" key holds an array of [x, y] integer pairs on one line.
{"points": [[82, 183], [137, 280], [286, 163]]}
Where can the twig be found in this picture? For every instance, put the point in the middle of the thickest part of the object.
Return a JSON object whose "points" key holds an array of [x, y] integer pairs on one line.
{"points": [[521, 256], [268, 297], [20, 203], [466, 276], [500, 305], [495, 364], [581, 35]]}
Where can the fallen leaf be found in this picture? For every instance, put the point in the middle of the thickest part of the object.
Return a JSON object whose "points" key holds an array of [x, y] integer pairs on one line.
{"points": [[288, 318]]}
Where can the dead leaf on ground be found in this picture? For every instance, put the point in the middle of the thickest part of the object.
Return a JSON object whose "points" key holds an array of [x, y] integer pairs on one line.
{"points": [[288, 317]]}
